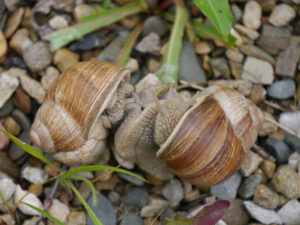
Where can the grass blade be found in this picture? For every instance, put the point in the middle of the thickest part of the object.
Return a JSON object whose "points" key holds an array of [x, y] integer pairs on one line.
{"points": [[44, 213], [172, 54], [90, 23]]}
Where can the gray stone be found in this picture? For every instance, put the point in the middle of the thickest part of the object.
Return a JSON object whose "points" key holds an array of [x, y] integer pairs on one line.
{"points": [[237, 13], [278, 149], [131, 219], [21, 119], [89, 42], [251, 163], [137, 197], [8, 85], [236, 214], [168, 213], [258, 53], [104, 211], [220, 67], [263, 215], [227, 189], [294, 160], [257, 71], [6, 108], [290, 212], [249, 186], [111, 52], [293, 142], [291, 120], [173, 192], [282, 89], [132, 179], [155, 24], [14, 151], [149, 43], [190, 68], [252, 15], [114, 197], [281, 15]]}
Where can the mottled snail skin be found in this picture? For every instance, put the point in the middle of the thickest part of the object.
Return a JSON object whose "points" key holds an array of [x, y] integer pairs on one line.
{"points": [[69, 125], [211, 140]]}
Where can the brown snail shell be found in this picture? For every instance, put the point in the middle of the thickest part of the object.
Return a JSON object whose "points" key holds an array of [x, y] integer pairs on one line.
{"points": [[69, 124]]}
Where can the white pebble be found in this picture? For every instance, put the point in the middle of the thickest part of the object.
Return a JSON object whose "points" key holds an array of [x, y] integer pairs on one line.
{"points": [[291, 120], [8, 85], [290, 212], [59, 211], [34, 175], [252, 15], [58, 22], [281, 15], [7, 187]]}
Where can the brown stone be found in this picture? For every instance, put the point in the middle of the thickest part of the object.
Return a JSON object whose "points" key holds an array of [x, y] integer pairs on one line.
{"points": [[64, 59], [3, 46], [236, 214], [4, 140], [22, 100], [12, 126], [265, 197], [268, 167], [9, 167], [264, 178], [14, 21]]}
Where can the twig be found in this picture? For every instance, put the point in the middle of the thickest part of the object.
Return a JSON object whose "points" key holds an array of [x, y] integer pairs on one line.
{"points": [[274, 105], [282, 127], [192, 85], [261, 151]]}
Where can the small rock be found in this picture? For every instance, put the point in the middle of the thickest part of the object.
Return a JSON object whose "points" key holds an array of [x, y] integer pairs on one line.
{"points": [[88, 42], [154, 206], [6, 108], [14, 151], [11, 5], [76, 218], [258, 53], [294, 160], [250, 164], [265, 197], [12, 126], [190, 69], [258, 71], [252, 15], [293, 142], [287, 60], [59, 210], [268, 167], [21, 119], [3, 46], [20, 41], [278, 149], [137, 197], [111, 52], [131, 219], [265, 216], [236, 69], [30, 199], [227, 189], [190, 193], [114, 197], [8, 167], [81, 11], [267, 5], [58, 22], [50, 76], [291, 120], [149, 43], [132, 179], [236, 12], [267, 126], [290, 212], [236, 214], [4, 140], [168, 213], [203, 47], [173, 192], [33, 88], [8, 85], [153, 65], [64, 59], [14, 21], [34, 175], [234, 55], [8, 188], [155, 24], [105, 211], [33, 221], [7, 219], [250, 33], [220, 67], [132, 64], [287, 181], [22, 100], [37, 56], [249, 185], [282, 89], [281, 15]]}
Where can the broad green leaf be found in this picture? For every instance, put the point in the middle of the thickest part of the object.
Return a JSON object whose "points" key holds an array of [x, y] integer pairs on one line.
{"points": [[218, 12], [171, 56], [44, 213], [91, 23], [28, 148]]}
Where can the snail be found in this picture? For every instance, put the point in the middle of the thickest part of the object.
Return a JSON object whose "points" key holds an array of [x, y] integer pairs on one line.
{"points": [[77, 111], [203, 140]]}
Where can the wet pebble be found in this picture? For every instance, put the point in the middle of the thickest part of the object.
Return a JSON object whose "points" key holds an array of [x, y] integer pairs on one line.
{"points": [[278, 149], [137, 197], [282, 89], [227, 189], [263, 215], [281, 15], [131, 219], [291, 120], [252, 15], [8, 85], [290, 212], [173, 192], [250, 164], [149, 43], [236, 214], [64, 59], [4, 140], [58, 210], [155, 24], [249, 186], [34, 175]]}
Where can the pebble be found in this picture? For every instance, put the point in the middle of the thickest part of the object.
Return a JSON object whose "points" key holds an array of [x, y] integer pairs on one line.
{"points": [[282, 89], [34, 175], [114, 197], [154, 206], [37, 56], [64, 59], [236, 12], [220, 67], [76, 218], [190, 69], [249, 186], [8, 188], [227, 189], [256, 52], [88, 42], [236, 214], [203, 47], [293, 142], [263, 215], [190, 193], [290, 212], [268, 168], [6, 108], [104, 211], [8, 167], [33, 221], [281, 15], [250, 164], [291, 120], [132, 179], [173, 192], [4, 140], [265, 197], [132, 64], [287, 181], [3, 46], [149, 43], [81, 11], [22, 100], [236, 69], [267, 126], [13, 22], [287, 60], [59, 210], [294, 160], [7, 219], [30, 199], [252, 15], [234, 55], [58, 22], [49, 77], [155, 24], [11, 5], [131, 219], [21, 119], [168, 213], [137, 197], [20, 41], [278, 149], [111, 52], [12, 126], [8, 85], [153, 65], [250, 33]]}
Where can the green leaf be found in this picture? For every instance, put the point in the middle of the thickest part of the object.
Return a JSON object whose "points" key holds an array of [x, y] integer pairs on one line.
{"points": [[44, 213], [218, 12], [28, 148], [91, 23], [172, 54], [181, 220]]}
